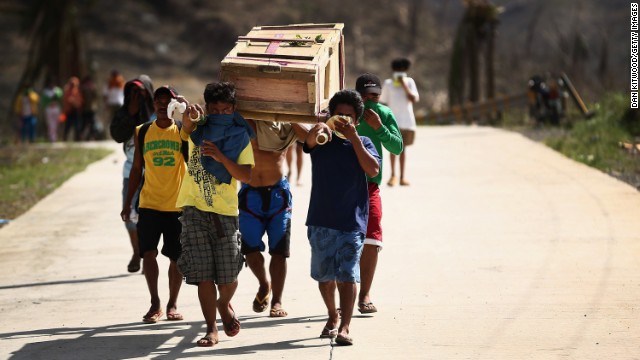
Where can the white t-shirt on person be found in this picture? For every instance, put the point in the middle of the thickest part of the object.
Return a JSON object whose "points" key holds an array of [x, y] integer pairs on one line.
{"points": [[394, 96]]}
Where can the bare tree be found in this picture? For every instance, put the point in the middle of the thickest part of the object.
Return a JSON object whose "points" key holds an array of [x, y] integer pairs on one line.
{"points": [[54, 41]]}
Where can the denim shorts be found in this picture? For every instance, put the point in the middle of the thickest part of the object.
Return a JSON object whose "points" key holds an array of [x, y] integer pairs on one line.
{"points": [[335, 254], [265, 209]]}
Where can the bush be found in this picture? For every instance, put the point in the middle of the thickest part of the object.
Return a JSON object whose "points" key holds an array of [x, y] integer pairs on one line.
{"points": [[596, 142]]}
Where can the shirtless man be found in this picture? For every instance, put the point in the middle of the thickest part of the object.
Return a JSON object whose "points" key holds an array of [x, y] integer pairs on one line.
{"points": [[265, 206]]}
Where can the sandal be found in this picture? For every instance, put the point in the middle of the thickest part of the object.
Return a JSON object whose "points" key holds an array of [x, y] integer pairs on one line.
{"points": [[367, 308], [206, 341], [152, 316], [134, 265], [280, 312], [260, 305], [174, 316], [328, 333], [231, 328], [344, 340]]}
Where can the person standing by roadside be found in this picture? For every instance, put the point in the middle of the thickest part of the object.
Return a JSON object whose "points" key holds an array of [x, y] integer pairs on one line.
{"points": [[158, 152], [379, 125], [400, 93], [88, 125], [72, 108], [52, 108], [338, 208], [26, 107], [113, 93], [219, 154], [137, 109]]}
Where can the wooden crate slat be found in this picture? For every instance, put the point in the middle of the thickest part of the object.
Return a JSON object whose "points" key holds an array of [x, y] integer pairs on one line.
{"points": [[248, 88]]}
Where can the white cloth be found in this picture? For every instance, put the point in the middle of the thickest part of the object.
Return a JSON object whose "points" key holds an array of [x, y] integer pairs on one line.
{"points": [[394, 96], [129, 151], [114, 96]]}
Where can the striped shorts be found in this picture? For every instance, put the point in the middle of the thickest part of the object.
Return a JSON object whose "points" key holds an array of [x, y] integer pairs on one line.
{"points": [[210, 247]]}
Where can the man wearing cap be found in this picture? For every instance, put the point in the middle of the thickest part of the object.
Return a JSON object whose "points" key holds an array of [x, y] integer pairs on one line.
{"points": [[379, 125], [158, 151]]}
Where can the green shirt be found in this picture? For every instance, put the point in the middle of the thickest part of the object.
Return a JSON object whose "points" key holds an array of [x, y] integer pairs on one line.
{"points": [[388, 135]]}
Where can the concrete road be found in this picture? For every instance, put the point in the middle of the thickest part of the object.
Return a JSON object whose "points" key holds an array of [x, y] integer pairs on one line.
{"points": [[499, 249]]}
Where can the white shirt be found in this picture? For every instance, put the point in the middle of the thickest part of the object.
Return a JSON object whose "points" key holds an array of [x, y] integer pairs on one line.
{"points": [[394, 96]]}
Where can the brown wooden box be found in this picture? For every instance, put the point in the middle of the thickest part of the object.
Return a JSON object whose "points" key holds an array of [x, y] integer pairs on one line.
{"points": [[278, 81]]}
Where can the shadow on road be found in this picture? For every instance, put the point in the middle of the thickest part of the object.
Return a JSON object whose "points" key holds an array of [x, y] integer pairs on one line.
{"points": [[169, 340], [64, 282]]}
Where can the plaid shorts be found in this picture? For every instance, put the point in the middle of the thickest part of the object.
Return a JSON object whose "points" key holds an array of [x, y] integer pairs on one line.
{"points": [[210, 247]]}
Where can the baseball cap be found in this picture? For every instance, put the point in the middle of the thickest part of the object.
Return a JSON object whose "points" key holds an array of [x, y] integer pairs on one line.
{"points": [[165, 90], [368, 83]]}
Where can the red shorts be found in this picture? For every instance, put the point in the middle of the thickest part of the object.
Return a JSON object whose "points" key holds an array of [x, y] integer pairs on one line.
{"points": [[374, 225]]}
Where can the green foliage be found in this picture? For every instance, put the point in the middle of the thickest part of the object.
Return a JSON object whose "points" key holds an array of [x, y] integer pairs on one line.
{"points": [[596, 142], [27, 174]]}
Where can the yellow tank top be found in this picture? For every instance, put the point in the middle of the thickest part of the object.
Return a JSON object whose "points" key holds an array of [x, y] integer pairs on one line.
{"points": [[164, 168]]}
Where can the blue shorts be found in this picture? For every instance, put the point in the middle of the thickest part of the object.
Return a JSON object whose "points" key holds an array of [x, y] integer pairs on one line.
{"points": [[265, 209], [335, 254]]}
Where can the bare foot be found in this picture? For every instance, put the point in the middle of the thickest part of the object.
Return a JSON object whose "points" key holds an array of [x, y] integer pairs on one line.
{"points": [[210, 339]]}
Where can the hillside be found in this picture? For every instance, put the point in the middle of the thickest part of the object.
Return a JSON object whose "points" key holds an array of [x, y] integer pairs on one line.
{"points": [[182, 42]]}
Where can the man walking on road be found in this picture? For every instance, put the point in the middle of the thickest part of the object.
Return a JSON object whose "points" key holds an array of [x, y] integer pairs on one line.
{"points": [[379, 125], [219, 154], [265, 207], [158, 150]]}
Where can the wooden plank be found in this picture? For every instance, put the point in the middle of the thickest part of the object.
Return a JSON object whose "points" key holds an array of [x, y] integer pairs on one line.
{"points": [[248, 88], [271, 39], [306, 119], [246, 64], [335, 26], [311, 92], [277, 56], [229, 72], [279, 107], [274, 45]]}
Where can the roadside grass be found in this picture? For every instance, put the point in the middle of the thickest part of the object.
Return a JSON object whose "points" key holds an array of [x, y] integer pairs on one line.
{"points": [[597, 141], [29, 173]]}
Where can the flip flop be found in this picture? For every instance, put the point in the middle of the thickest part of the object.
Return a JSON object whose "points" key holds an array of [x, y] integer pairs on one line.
{"points": [[206, 341], [275, 313], [134, 266], [152, 316], [344, 340], [367, 308], [231, 328], [174, 316], [260, 305], [328, 333]]}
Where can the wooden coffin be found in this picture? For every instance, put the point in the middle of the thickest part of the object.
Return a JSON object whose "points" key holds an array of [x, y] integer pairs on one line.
{"points": [[286, 73]]}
